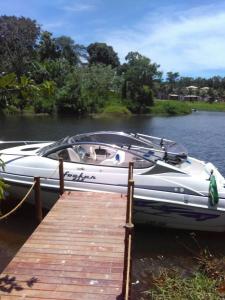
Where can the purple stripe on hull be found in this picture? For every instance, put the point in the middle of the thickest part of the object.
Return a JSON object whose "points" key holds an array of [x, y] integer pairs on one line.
{"points": [[166, 210]]}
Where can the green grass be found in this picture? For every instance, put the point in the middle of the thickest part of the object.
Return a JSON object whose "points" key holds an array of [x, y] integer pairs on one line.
{"points": [[114, 107], [170, 107], [204, 281], [198, 105], [173, 287]]}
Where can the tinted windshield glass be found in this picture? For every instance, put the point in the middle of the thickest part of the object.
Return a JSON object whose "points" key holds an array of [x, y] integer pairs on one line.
{"points": [[118, 139], [54, 145]]}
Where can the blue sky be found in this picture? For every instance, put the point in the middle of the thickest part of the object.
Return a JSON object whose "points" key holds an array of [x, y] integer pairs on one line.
{"points": [[185, 36]]}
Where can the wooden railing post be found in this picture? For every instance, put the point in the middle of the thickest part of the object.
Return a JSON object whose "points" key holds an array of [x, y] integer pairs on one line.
{"points": [[37, 197], [61, 177], [128, 236]]}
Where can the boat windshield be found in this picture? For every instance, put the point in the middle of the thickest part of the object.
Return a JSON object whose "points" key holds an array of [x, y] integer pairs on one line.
{"points": [[61, 142], [122, 140], [119, 139]]}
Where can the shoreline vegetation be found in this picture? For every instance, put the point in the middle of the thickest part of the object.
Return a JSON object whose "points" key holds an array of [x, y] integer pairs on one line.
{"points": [[118, 108], [43, 74]]}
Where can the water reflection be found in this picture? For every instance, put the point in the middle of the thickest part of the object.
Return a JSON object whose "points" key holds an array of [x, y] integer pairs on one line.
{"points": [[14, 231]]}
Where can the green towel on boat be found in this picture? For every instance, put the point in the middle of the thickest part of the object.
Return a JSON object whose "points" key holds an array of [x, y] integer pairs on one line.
{"points": [[213, 192]]}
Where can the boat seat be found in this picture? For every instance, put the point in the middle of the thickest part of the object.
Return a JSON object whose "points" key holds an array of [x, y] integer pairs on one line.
{"points": [[92, 154], [117, 159], [73, 156]]}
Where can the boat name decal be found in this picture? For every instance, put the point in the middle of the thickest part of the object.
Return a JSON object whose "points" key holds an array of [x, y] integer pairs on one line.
{"points": [[78, 177]]}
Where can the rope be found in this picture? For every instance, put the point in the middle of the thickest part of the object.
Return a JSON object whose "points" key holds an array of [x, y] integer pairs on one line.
{"points": [[56, 169], [18, 205], [26, 196]]}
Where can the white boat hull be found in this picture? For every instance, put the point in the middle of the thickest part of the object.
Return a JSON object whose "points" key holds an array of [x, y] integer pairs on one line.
{"points": [[159, 212], [171, 188]]}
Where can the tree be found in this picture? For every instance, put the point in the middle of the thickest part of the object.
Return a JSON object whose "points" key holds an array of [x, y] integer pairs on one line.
{"points": [[101, 53], [8, 88], [97, 82], [140, 75], [47, 48], [68, 97], [17, 42], [172, 77], [53, 70], [26, 91], [70, 51], [86, 90], [45, 98]]}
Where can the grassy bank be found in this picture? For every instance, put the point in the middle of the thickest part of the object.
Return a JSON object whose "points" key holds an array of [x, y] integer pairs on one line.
{"points": [[117, 107], [205, 281], [166, 107], [162, 107], [170, 107], [198, 105]]}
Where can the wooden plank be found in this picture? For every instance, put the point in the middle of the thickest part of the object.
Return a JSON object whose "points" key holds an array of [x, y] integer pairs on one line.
{"points": [[77, 252]]}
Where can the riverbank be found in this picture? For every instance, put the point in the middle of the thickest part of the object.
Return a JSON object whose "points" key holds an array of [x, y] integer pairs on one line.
{"points": [[204, 280], [176, 107], [205, 106], [164, 108], [117, 107]]}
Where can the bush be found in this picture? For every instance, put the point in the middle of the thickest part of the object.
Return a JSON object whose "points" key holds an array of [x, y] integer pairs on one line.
{"points": [[116, 109], [11, 110], [174, 287], [170, 107], [44, 106]]}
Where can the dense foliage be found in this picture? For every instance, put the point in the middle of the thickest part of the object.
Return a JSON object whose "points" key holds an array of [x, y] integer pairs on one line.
{"points": [[18, 38], [50, 74], [56, 74], [101, 53]]}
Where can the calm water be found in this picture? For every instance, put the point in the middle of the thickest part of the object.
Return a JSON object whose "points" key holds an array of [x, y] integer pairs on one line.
{"points": [[203, 135]]}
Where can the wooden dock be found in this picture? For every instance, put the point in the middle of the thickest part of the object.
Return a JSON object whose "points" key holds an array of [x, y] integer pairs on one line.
{"points": [[77, 252]]}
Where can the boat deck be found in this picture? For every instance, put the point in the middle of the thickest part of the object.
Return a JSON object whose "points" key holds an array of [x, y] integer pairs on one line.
{"points": [[77, 252]]}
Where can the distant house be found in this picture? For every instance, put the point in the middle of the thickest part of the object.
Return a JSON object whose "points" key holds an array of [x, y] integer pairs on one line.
{"points": [[173, 97], [191, 98], [205, 88], [192, 87]]}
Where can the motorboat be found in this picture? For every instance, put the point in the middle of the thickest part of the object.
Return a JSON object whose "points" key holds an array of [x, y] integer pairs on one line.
{"points": [[172, 189]]}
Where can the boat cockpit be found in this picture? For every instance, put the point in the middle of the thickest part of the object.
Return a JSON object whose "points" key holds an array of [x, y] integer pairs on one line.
{"points": [[115, 149]]}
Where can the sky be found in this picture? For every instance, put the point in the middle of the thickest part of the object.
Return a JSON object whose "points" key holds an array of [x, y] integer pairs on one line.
{"points": [[184, 36]]}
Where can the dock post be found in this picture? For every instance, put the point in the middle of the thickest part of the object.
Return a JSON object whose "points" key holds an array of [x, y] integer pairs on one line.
{"points": [[61, 177], [37, 197], [128, 236]]}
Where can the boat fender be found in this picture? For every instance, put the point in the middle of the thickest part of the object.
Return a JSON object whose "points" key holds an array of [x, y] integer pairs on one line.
{"points": [[213, 191]]}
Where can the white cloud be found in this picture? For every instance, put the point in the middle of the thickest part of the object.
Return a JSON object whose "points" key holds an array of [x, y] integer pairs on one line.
{"points": [[53, 25], [185, 41], [78, 7]]}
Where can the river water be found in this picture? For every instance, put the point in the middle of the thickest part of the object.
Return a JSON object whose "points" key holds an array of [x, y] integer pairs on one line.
{"points": [[202, 133]]}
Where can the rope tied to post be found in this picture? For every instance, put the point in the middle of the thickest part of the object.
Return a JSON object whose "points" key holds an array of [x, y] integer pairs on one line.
{"points": [[19, 204], [36, 187], [60, 171]]}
